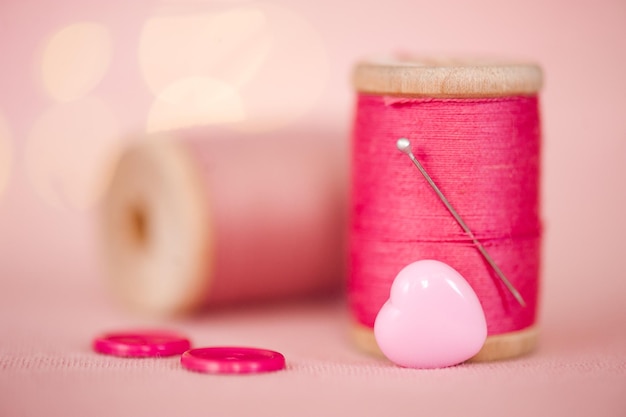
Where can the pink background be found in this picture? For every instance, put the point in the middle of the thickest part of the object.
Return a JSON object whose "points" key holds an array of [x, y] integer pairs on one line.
{"points": [[262, 67]]}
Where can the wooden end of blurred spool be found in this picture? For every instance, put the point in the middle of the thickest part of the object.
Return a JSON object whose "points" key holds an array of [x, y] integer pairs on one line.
{"points": [[155, 230]]}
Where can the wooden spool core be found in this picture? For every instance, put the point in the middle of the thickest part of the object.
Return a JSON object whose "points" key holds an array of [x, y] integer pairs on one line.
{"points": [[452, 79]]}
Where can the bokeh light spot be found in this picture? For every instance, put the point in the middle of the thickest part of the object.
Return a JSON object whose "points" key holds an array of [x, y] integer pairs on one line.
{"points": [[228, 46], [293, 76], [6, 159], [70, 153], [75, 60], [194, 101], [273, 57]]}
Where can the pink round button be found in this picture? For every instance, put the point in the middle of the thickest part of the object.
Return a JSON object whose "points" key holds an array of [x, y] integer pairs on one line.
{"points": [[141, 344], [232, 360]]}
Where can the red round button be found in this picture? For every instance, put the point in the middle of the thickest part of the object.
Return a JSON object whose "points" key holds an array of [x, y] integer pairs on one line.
{"points": [[232, 360], [141, 344]]}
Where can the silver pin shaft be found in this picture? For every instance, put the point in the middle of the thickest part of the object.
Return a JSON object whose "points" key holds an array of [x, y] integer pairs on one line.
{"points": [[404, 145]]}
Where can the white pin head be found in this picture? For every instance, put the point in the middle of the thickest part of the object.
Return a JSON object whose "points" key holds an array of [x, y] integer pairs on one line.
{"points": [[404, 145]]}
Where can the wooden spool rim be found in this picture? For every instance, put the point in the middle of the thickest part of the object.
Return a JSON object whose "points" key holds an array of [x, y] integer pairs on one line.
{"points": [[496, 347], [447, 78]]}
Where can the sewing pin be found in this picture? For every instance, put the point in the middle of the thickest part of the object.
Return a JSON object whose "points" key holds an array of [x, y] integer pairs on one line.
{"points": [[404, 145]]}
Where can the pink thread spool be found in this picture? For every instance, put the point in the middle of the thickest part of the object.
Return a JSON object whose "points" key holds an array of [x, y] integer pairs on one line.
{"points": [[202, 218], [476, 124]]}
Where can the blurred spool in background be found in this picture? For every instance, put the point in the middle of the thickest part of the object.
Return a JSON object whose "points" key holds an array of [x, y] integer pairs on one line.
{"points": [[476, 124], [202, 218]]}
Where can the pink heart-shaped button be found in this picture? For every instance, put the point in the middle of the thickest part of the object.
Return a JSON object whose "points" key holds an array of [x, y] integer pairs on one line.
{"points": [[432, 319]]}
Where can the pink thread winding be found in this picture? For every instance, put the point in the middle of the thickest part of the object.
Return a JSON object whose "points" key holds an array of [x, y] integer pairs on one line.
{"points": [[484, 154]]}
